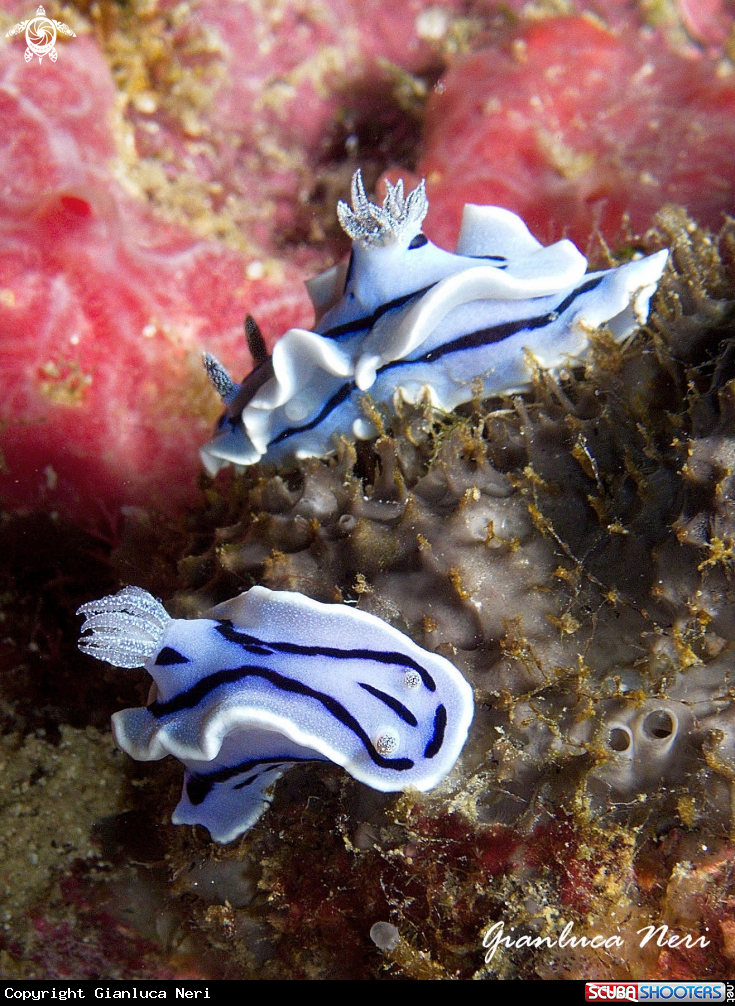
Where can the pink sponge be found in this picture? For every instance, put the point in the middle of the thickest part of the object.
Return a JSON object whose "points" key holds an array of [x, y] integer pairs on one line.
{"points": [[104, 311], [574, 127]]}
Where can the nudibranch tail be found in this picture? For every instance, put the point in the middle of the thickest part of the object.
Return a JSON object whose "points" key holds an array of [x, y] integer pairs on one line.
{"points": [[125, 628], [272, 678]]}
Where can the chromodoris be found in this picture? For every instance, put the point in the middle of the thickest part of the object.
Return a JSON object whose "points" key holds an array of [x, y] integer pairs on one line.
{"points": [[406, 319], [273, 678]]}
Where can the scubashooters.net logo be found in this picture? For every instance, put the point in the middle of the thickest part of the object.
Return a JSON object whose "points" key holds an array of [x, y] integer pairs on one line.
{"points": [[658, 992], [41, 35]]}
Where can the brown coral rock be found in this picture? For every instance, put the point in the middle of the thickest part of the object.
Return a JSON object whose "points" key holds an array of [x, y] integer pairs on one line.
{"points": [[572, 552]]}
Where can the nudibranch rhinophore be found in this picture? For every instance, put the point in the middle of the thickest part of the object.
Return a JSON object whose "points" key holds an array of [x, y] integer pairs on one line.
{"points": [[272, 678], [405, 318]]}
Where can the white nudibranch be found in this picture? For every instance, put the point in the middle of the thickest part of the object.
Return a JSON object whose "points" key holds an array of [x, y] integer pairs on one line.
{"points": [[405, 319], [270, 679]]}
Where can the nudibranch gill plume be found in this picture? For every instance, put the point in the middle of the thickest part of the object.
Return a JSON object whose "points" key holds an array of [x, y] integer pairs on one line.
{"points": [[270, 679], [406, 319]]}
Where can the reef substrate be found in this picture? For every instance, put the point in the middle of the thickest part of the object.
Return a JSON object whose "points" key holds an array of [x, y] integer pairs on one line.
{"points": [[571, 551]]}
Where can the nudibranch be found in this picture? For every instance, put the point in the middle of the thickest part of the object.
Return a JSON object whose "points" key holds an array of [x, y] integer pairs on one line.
{"points": [[273, 678], [406, 318]]}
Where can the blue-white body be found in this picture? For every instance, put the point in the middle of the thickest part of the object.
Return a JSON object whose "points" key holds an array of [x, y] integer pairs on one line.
{"points": [[271, 679], [408, 319]]}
